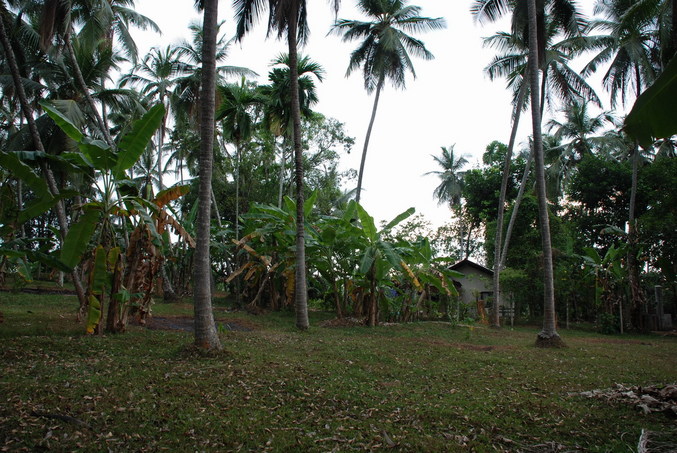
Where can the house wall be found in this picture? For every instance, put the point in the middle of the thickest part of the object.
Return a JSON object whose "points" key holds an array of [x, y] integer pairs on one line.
{"points": [[472, 284]]}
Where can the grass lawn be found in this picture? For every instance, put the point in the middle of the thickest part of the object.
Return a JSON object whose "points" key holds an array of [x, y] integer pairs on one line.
{"points": [[411, 387]]}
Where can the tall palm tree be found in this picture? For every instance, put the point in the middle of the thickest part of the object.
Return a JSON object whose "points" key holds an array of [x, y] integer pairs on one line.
{"points": [[57, 28], [287, 17], [277, 109], [111, 20], [548, 337], [578, 135], [188, 83], [37, 142], [451, 177], [629, 48], [580, 130], [450, 188], [558, 78], [563, 14], [205, 329], [385, 52], [157, 76], [237, 116]]}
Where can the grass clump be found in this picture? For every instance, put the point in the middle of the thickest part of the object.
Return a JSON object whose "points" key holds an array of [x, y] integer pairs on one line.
{"points": [[412, 387]]}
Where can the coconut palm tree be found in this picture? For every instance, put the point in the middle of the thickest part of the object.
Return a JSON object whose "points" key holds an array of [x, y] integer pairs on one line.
{"points": [[451, 177], [205, 329], [238, 121], [548, 337], [277, 108], [628, 47], [157, 76], [37, 142], [111, 20], [287, 17], [188, 83], [385, 52], [579, 129], [451, 184], [563, 14], [558, 78], [578, 135]]}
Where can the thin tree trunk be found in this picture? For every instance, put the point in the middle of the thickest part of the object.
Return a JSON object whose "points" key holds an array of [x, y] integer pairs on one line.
{"points": [[515, 209], [217, 214], [205, 329], [160, 133], [495, 319], [282, 164], [238, 151], [301, 286], [37, 142], [20, 205], [366, 139], [548, 337], [104, 113], [372, 318], [80, 81], [633, 267]]}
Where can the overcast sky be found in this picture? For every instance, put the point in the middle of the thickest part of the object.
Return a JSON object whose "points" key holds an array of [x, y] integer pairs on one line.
{"points": [[450, 102]]}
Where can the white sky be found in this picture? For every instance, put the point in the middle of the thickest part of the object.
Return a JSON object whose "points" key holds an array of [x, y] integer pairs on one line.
{"points": [[450, 102]]}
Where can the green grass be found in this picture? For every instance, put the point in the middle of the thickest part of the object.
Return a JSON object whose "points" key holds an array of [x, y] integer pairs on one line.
{"points": [[412, 387]]}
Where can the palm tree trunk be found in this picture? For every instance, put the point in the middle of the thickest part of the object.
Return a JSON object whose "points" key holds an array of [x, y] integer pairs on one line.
{"points": [[37, 142], [495, 319], [205, 329], [281, 176], [633, 267], [366, 139], [515, 209], [79, 79], [217, 214], [160, 133], [238, 152], [301, 287], [548, 337]]}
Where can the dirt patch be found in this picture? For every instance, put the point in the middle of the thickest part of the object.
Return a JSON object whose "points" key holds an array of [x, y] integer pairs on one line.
{"points": [[40, 290], [343, 322], [615, 341], [186, 324], [463, 346]]}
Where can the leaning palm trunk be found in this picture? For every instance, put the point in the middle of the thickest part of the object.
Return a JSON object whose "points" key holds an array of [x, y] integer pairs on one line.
{"points": [[633, 267], [366, 139], [301, 287], [238, 153], [548, 337], [495, 319], [205, 330], [280, 192], [515, 210], [79, 79], [37, 142]]}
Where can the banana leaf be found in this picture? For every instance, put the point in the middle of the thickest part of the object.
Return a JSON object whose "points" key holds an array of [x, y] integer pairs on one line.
{"points": [[653, 115]]}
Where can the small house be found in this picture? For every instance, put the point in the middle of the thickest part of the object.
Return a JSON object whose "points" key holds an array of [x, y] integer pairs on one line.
{"points": [[475, 285]]}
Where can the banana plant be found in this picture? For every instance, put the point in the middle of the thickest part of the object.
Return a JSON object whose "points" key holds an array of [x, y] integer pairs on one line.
{"points": [[118, 204], [427, 272], [269, 243], [608, 274], [378, 256]]}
